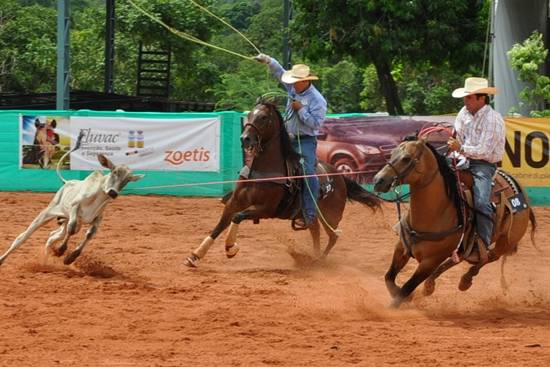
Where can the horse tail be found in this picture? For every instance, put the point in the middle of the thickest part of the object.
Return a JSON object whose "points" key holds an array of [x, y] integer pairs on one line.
{"points": [[76, 146], [533, 221], [357, 193], [503, 283]]}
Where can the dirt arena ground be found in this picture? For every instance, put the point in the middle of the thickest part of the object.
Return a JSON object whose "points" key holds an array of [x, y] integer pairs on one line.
{"points": [[129, 301]]}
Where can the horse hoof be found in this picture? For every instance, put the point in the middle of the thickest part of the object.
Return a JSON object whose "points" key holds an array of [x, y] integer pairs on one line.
{"points": [[191, 261], [396, 303], [231, 251], [429, 288], [60, 250], [392, 289], [464, 284], [71, 258]]}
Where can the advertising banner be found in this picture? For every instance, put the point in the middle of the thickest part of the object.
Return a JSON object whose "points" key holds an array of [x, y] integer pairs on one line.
{"points": [[526, 155], [141, 143], [360, 146], [144, 144]]}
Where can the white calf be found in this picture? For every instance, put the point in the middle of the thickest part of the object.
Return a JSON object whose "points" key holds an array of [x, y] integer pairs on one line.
{"points": [[75, 203]]}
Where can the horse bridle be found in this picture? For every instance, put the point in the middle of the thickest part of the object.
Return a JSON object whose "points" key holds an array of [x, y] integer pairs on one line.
{"points": [[400, 176], [259, 145]]}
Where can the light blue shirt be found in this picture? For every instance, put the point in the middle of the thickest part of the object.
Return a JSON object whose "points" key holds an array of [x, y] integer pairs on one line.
{"points": [[308, 119]]}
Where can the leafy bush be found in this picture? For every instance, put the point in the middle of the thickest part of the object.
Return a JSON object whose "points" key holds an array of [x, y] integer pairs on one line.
{"points": [[527, 59]]}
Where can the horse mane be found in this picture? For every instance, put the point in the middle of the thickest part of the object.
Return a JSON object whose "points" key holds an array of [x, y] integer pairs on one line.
{"points": [[286, 146], [449, 178]]}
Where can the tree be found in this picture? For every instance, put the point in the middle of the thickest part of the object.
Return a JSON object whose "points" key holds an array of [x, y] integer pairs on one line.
{"points": [[385, 33], [241, 82], [527, 59], [27, 48], [341, 86]]}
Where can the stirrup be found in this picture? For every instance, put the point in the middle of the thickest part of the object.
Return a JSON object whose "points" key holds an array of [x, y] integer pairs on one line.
{"points": [[299, 224], [482, 252]]}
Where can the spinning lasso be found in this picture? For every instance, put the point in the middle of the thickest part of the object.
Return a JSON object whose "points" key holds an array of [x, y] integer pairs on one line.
{"points": [[192, 38], [201, 42]]}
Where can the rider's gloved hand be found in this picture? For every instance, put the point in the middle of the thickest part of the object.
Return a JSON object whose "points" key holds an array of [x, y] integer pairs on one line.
{"points": [[262, 58]]}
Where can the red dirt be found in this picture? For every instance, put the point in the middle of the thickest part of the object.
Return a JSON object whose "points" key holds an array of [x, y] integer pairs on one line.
{"points": [[129, 301]]}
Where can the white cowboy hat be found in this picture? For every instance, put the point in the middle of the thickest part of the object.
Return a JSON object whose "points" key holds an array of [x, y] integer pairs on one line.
{"points": [[474, 86], [298, 73]]}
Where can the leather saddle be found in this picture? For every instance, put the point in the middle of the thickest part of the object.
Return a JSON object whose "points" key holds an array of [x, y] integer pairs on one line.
{"points": [[291, 206], [506, 199]]}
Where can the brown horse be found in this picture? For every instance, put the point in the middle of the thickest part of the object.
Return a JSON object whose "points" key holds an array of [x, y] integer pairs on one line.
{"points": [[434, 225], [267, 193]]}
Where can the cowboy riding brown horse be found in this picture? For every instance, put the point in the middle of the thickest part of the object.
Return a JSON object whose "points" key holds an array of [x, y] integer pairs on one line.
{"points": [[266, 191], [440, 218]]}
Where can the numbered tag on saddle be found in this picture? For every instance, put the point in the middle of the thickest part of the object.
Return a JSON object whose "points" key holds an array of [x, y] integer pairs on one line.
{"points": [[517, 203], [506, 191]]}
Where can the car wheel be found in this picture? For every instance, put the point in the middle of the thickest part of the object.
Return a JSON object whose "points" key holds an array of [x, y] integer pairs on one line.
{"points": [[346, 165]]}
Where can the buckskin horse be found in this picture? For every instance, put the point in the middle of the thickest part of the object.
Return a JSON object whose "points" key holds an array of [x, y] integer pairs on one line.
{"points": [[436, 223], [268, 193]]}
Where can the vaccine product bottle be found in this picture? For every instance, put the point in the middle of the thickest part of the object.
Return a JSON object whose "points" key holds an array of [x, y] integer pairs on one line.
{"points": [[131, 139], [140, 142]]}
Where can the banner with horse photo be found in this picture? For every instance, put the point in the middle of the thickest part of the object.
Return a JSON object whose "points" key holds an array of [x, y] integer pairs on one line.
{"points": [[43, 140], [360, 146], [191, 144]]}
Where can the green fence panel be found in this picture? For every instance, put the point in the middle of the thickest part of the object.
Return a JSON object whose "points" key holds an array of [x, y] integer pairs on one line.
{"points": [[155, 182]]}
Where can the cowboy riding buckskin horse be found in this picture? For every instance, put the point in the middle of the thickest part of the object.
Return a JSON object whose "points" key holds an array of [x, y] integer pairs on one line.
{"points": [[271, 192], [435, 223]]}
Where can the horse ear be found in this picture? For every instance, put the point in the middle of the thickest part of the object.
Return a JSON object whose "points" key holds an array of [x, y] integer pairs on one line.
{"points": [[53, 124]]}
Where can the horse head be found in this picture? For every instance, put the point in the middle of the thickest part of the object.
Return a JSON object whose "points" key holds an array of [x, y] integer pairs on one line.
{"points": [[263, 125], [407, 165]]}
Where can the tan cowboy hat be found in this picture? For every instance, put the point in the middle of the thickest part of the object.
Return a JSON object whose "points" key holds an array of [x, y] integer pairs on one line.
{"points": [[298, 73], [474, 86]]}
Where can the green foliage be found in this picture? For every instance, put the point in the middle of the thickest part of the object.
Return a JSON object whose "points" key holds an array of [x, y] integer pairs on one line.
{"points": [[527, 59], [237, 13], [389, 33], [241, 82], [27, 48], [427, 90], [240, 90], [424, 47], [341, 85], [371, 98], [88, 52]]}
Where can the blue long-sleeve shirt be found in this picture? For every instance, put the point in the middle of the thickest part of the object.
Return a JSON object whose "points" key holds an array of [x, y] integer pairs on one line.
{"points": [[308, 119]]}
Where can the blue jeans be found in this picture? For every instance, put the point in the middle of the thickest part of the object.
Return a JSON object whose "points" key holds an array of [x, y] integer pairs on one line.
{"points": [[482, 173], [309, 155]]}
